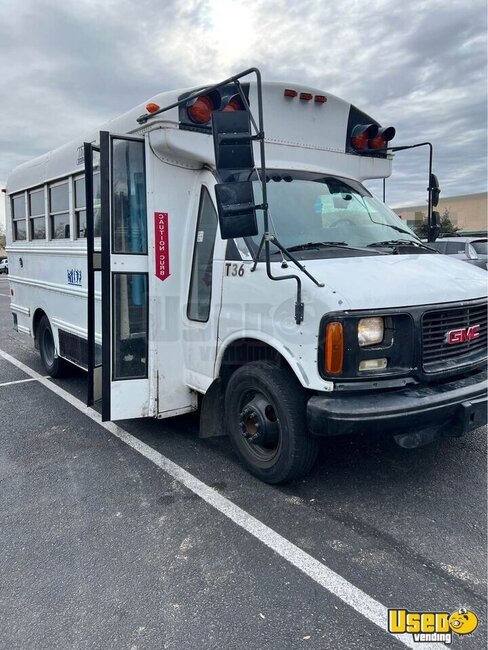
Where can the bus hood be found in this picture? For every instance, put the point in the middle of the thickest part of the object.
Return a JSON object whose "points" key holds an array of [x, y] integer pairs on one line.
{"points": [[398, 280]]}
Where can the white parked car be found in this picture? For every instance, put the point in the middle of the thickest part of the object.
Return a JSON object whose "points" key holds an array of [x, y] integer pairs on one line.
{"points": [[4, 266]]}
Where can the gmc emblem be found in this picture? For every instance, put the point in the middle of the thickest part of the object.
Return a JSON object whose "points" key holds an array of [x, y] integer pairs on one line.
{"points": [[463, 335]]}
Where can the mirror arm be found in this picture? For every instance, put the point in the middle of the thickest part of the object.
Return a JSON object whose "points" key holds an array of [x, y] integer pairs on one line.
{"points": [[293, 259], [431, 228]]}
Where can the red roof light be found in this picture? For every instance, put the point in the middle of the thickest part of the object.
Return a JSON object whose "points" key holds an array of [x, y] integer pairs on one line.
{"points": [[234, 104], [306, 96], [290, 93], [200, 111]]}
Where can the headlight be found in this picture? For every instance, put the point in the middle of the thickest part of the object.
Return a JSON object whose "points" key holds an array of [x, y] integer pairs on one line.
{"points": [[370, 331]]}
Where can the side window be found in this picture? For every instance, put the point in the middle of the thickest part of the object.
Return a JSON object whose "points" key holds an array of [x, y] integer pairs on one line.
{"points": [[36, 214], [80, 207], [201, 273], [18, 217], [59, 211]]}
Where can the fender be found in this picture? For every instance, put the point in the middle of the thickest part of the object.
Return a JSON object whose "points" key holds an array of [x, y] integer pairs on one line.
{"points": [[268, 340]]}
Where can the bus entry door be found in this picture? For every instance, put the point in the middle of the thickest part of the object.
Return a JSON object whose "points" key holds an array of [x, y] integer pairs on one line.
{"points": [[124, 278]]}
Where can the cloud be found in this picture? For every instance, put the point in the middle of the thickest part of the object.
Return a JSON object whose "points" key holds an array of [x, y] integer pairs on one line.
{"points": [[418, 65]]}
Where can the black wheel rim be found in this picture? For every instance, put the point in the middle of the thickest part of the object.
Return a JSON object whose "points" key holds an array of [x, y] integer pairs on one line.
{"points": [[259, 427]]}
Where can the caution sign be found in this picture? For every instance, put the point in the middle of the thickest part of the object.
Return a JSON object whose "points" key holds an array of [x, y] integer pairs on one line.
{"points": [[161, 245]]}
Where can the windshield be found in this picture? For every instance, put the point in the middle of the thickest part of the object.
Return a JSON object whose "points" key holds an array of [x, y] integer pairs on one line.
{"points": [[481, 247], [307, 208]]}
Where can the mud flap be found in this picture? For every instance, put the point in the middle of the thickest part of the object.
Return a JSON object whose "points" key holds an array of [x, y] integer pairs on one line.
{"points": [[212, 412]]}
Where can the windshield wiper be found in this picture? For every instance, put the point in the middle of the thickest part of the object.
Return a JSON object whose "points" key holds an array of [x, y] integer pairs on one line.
{"points": [[318, 244], [328, 244], [401, 242]]}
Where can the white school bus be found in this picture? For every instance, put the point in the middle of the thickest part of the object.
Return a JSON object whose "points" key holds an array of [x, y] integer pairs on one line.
{"points": [[215, 249]]}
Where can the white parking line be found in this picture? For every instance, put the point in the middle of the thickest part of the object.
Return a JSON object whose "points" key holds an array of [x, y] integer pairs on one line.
{"points": [[352, 596], [5, 294], [20, 381]]}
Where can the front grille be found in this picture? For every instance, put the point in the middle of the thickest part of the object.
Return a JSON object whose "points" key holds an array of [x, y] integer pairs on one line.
{"points": [[437, 353]]}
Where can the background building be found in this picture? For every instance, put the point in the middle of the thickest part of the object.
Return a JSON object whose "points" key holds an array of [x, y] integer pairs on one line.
{"points": [[467, 212]]}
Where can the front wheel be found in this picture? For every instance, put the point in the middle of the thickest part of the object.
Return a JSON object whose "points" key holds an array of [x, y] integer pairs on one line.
{"points": [[265, 412]]}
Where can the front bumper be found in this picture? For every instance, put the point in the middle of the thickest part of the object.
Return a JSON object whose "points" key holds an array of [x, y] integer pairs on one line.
{"points": [[450, 408]]}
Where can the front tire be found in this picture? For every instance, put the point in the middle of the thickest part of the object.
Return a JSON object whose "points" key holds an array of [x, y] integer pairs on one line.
{"points": [[265, 413], [52, 363]]}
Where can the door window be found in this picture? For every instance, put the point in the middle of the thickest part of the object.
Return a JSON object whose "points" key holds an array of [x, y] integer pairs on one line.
{"points": [[130, 325], [129, 197], [201, 273]]}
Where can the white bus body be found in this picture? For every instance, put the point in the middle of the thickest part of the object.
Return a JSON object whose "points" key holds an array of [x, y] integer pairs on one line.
{"points": [[170, 340]]}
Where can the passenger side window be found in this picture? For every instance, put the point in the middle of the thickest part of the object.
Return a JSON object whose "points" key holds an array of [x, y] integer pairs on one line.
{"points": [[200, 295], [59, 211], [36, 214], [80, 207], [18, 217]]}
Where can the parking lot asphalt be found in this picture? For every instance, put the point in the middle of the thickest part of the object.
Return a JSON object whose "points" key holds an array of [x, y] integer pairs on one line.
{"points": [[101, 548]]}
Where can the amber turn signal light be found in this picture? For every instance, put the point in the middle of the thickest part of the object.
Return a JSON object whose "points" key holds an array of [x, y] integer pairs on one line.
{"points": [[334, 348], [152, 107]]}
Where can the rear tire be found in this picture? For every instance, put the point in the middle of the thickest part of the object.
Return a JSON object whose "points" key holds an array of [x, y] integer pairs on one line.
{"points": [[265, 416], [52, 363]]}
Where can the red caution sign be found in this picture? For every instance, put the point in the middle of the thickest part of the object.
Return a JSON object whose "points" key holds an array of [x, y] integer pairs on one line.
{"points": [[161, 245]]}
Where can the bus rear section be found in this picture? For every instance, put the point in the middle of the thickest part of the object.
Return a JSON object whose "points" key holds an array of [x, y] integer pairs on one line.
{"points": [[188, 258]]}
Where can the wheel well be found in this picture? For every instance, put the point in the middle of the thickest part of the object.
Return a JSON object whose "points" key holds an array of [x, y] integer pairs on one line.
{"points": [[38, 314], [243, 351]]}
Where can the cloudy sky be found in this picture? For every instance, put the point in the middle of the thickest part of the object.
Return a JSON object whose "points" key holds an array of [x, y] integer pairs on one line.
{"points": [[420, 65]]}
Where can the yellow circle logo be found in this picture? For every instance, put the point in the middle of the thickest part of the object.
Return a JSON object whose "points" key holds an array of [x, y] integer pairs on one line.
{"points": [[463, 621]]}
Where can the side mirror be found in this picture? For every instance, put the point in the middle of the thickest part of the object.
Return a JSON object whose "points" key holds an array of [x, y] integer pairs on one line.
{"points": [[234, 155], [435, 189], [236, 209], [232, 142]]}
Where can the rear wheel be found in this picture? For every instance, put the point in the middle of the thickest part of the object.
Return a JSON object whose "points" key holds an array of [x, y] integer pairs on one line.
{"points": [[266, 421], [52, 363]]}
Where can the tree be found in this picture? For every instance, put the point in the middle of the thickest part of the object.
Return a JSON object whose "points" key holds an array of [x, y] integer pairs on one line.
{"points": [[446, 226]]}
